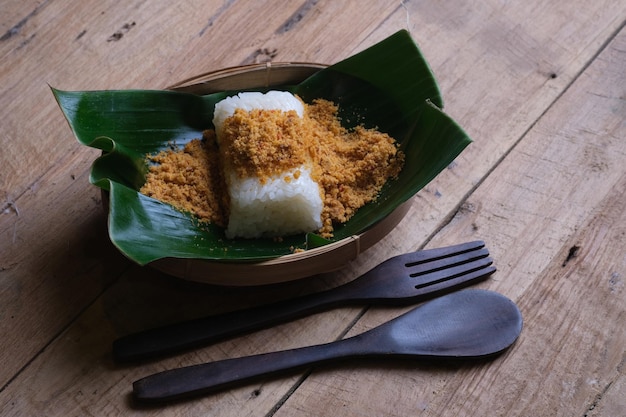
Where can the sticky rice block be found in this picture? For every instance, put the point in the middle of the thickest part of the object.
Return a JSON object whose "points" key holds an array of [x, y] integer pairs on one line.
{"points": [[281, 204]]}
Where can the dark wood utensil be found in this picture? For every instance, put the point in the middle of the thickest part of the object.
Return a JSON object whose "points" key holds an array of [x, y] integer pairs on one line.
{"points": [[399, 280], [468, 323]]}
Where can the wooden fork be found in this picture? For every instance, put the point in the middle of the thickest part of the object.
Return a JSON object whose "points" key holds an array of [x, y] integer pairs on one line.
{"points": [[400, 280]]}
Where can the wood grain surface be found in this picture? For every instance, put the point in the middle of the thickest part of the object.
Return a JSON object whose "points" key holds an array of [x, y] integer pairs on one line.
{"points": [[539, 86]]}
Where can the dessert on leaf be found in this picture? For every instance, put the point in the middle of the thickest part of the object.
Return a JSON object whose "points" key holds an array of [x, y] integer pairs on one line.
{"points": [[284, 168]]}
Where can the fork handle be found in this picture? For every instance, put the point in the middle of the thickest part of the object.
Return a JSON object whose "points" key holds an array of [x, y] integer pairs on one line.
{"points": [[189, 334], [208, 377]]}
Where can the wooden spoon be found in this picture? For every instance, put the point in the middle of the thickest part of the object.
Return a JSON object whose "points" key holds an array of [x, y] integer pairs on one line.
{"points": [[468, 323]]}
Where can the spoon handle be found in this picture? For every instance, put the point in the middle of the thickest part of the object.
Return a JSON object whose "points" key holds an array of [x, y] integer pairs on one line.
{"points": [[203, 378]]}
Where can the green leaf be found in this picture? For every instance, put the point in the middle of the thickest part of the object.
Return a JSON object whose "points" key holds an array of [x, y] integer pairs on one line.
{"points": [[388, 86]]}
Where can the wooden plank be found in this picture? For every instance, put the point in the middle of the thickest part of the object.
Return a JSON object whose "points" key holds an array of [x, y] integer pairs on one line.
{"points": [[565, 267], [14, 16], [78, 377], [66, 43], [495, 66]]}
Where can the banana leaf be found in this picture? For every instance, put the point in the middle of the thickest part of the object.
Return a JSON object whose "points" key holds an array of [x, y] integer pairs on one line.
{"points": [[388, 86]]}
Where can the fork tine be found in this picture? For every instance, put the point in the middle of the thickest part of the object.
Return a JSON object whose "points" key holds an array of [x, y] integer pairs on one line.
{"points": [[440, 263], [430, 255], [447, 263], [454, 277]]}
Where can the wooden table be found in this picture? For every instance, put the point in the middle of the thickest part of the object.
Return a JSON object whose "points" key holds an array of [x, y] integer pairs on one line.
{"points": [[540, 87]]}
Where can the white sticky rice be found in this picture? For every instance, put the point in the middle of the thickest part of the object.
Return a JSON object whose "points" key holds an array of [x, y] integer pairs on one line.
{"points": [[285, 204]]}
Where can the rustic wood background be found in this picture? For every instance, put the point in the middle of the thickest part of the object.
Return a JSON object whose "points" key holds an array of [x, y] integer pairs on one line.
{"points": [[540, 87]]}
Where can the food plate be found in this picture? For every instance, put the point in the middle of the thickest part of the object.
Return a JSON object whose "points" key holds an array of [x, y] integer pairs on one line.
{"points": [[388, 86]]}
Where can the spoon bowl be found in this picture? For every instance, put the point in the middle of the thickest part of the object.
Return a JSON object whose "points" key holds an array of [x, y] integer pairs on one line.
{"points": [[470, 323]]}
